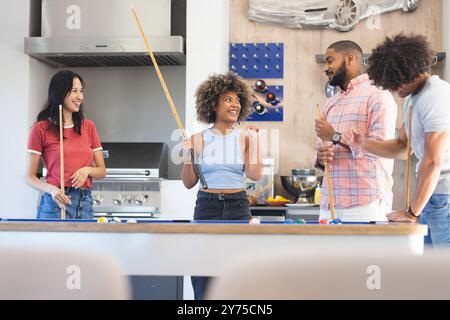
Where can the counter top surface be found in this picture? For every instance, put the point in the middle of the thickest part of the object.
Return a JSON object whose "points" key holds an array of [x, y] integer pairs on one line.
{"points": [[216, 228]]}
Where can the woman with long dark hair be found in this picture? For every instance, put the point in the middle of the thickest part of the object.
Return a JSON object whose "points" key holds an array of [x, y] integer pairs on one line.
{"points": [[83, 159]]}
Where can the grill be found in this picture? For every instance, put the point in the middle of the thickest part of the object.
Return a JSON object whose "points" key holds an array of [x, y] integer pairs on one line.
{"points": [[132, 186]]}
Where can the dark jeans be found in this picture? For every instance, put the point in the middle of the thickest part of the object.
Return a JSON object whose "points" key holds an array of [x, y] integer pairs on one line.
{"points": [[80, 208], [213, 206], [222, 206]]}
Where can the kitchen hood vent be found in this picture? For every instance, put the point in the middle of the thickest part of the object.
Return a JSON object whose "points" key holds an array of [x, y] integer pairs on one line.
{"points": [[105, 51], [103, 33]]}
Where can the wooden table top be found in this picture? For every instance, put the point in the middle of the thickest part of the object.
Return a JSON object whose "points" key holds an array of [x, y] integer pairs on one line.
{"points": [[218, 228]]}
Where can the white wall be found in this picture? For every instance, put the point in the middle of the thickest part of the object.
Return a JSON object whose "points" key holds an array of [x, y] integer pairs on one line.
{"points": [[39, 75], [208, 34], [446, 37], [18, 200]]}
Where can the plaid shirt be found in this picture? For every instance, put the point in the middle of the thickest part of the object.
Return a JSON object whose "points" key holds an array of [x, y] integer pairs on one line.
{"points": [[360, 178]]}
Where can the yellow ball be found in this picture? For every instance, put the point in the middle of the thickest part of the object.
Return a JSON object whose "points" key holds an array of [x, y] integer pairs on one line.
{"points": [[102, 220]]}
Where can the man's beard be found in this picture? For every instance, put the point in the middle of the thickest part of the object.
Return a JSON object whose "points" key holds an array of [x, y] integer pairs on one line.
{"points": [[339, 76]]}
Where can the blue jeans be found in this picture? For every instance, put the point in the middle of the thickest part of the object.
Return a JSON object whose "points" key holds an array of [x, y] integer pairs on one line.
{"points": [[213, 206], [437, 216], [80, 208]]}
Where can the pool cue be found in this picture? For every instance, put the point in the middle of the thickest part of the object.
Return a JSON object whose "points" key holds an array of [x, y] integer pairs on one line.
{"points": [[408, 159], [61, 155], [169, 98], [327, 177]]}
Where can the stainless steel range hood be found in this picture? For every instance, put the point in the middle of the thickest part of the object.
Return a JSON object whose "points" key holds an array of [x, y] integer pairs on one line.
{"points": [[105, 51], [103, 33]]}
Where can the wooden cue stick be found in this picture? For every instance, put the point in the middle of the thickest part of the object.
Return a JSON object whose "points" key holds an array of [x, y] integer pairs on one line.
{"points": [[327, 177], [168, 96], [408, 159], [61, 155]]}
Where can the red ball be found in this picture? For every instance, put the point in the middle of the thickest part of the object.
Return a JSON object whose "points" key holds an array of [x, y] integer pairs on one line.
{"points": [[323, 221], [270, 97]]}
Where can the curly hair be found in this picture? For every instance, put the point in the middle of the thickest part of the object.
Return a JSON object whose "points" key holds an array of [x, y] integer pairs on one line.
{"points": [[399, 60], [209, 91]]}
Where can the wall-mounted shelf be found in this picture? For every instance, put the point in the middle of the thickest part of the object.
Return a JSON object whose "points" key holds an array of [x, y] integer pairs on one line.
{"points": [[440, 56]]}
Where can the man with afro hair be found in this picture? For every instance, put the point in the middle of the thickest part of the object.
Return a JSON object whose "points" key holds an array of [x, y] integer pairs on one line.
{"points": [[402, 64]]}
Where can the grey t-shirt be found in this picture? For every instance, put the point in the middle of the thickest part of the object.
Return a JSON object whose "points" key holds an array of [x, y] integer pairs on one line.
{"points": [[431, 113]]}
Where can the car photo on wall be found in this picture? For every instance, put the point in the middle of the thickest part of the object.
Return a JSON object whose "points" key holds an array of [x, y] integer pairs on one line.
{"points": [[342, 15]]}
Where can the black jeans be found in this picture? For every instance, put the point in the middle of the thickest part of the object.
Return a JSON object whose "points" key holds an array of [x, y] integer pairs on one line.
{"points": [[222, 206]]}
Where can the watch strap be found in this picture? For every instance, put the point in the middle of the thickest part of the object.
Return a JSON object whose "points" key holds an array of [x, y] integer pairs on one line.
{"points": [[409, 212]]}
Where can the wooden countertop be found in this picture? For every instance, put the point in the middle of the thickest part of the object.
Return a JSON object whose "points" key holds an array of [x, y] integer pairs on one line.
{"points": [[390, 229]]}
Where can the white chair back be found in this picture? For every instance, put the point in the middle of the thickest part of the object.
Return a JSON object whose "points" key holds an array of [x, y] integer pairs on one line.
{"points": [[46, 273], [331, 276]]}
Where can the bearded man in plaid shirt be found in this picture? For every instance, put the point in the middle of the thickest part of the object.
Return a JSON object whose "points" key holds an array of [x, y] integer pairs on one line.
{"points": [[361, 182]]}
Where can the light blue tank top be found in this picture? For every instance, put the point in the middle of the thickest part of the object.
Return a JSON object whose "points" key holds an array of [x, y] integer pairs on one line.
{"points": [[222, 160]]}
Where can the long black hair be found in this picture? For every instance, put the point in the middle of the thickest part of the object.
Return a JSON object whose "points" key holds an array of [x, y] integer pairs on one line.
{"points": [[60, 86]]}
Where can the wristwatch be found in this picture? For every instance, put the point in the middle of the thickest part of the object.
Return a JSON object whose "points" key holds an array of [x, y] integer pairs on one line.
{"points": [[409, 212], [336, 138]]}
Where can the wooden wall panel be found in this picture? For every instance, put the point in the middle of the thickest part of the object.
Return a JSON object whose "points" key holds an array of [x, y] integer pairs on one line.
{"points": [[304, 80]]}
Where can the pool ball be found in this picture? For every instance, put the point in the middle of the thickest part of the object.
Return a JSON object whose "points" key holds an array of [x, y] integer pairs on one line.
{"points": [[336, 221], [259, 108], [323, 221], [260, 85], [116, 220], [131, 221], [300, 221], [102, 220], [270, 97]]}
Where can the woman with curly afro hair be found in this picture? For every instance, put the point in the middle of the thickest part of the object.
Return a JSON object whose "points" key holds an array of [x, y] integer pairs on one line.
{"points": [[402, 64], [224, 154]]}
